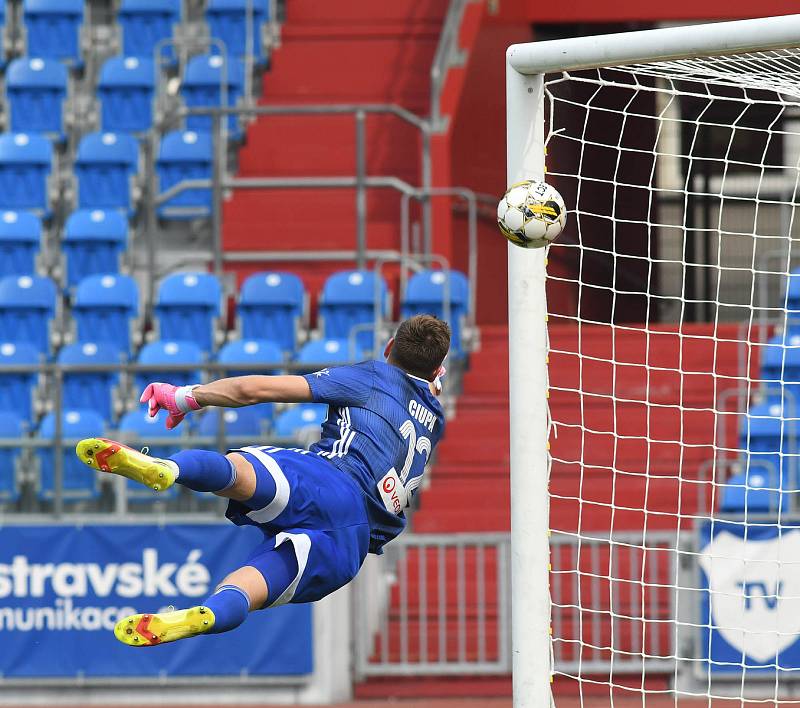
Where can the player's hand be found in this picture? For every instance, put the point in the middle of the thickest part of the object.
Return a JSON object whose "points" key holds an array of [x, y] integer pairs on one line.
{"points": [[176, 400]]}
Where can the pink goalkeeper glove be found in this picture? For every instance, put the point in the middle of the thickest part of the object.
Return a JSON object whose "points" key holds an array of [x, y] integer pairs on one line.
{"points": [[176, 400]]}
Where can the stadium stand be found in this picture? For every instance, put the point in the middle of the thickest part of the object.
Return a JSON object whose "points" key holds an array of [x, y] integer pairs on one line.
{"points": [[17, 389], [78, 484], [425, 293], [126, 91], [185, 155], [227, 20], [188, 306], [11, 426], [26, 162], [36, 90], [20, 242], [272, 305], [251, 422], [90, 390], [27, 308], [105, 309], [780, 369], [53, 29], [265, 356], [165, 354], [106, 165], [301, 419], [322, 351], [93, 243], [347, 301], [145, 23], [202, 87]]}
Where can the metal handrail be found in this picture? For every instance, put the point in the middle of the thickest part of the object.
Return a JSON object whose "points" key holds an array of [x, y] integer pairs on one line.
{"points": [[448, 54]]}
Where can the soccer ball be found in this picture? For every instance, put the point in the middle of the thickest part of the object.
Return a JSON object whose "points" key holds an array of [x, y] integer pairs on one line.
{"points": [[531, 214]]}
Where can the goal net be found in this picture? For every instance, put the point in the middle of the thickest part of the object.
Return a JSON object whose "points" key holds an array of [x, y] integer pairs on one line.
{"points": [[674, 380]]}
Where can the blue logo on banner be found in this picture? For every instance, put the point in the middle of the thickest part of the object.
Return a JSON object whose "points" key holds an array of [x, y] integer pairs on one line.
{"points": [[751, 599], [63, 588]]}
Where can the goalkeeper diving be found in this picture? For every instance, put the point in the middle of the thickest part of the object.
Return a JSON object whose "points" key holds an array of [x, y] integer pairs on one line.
{"points": [[321, 510]]}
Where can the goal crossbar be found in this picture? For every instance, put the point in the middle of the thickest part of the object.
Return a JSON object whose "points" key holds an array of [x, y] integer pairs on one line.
{"points": [[645, 46]]}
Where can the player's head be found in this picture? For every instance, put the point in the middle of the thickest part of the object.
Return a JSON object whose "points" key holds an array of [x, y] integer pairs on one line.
{"points": [[419, 346]]}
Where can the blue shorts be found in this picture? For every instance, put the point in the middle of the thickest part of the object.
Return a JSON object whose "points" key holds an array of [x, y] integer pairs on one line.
{"points": [[318, 509]]}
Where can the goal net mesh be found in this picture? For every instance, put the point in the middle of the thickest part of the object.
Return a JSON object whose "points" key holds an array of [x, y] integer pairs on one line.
{"points": [[674, 366]]}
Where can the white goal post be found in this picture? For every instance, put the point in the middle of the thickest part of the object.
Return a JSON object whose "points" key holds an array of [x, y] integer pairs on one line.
{"points": [[530, 423]]}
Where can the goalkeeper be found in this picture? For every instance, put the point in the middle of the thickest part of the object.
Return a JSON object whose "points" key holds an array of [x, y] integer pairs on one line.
{"points": [[321, 510]]}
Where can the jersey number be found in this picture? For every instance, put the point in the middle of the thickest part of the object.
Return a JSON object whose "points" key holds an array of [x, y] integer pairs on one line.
{"points": [[421, 445]]}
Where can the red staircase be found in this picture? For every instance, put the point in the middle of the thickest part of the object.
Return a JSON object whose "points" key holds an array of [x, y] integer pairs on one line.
{"points": [[349, 51], [598, 381]]}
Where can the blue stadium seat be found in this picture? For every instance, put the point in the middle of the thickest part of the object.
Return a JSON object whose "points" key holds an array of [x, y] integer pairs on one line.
{"points": [[25, 165], [80, 481], [20, 237], [183, 155], [35, 90], [11, 426], [769, 441], [105, 308], [2, 34], [227, 20], [164, 354], [271, 306], [27, 306], [347, 300], [52, 29], [138, 429], [17, 389], [780, 369], [254, 352], [93, 242], [293, 421], [202, 88], [105, 166], [249, 422], [145, 23], [91, 390], [756, 493], [327, 351], [425, 294], [188, 306], [126, 91]]}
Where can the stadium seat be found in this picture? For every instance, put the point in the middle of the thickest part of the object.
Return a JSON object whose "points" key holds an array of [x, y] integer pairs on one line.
{"points": [[145, 23], [11, 426], [347, 301], [319, 352], [292, 422], [253, 352], [164, 354], [79, 481], [780, 370], [227, 20], [202, 88], [271, 306], [249, 423], [20, 238], [105, 166], [138, 430], [105, 309], [17, 389], [188, 306], [758, 492], [184, 155], [25, 165], [53, 29], [27, 307], [126, 91], [91, 390], [36, 89], [93, 242], [425, 294], [769, 441]]}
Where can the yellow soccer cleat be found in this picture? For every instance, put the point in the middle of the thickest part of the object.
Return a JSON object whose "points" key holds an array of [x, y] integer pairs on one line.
{"points": [[116, 458], [149, 630]]}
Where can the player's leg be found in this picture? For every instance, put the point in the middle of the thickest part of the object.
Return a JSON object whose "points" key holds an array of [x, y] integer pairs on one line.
{"points": [[269, 572]]}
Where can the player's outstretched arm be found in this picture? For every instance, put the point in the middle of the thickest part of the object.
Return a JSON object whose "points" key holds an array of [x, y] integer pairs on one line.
{"points": [[229, 393]]}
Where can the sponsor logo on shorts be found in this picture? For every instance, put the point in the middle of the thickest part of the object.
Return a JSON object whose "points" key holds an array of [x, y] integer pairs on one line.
{"points": [[393, 493]]}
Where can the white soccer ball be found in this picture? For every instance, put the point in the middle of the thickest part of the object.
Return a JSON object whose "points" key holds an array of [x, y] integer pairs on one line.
{"points": [[531, 214]]}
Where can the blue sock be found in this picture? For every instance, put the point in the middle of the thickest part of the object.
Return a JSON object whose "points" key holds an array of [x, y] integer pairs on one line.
{"points": [[230, 605], [279, 568], [204, 470]]}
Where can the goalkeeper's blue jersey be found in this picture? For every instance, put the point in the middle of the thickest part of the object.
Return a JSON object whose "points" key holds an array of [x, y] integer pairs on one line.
{"points": [[382, 427]]}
